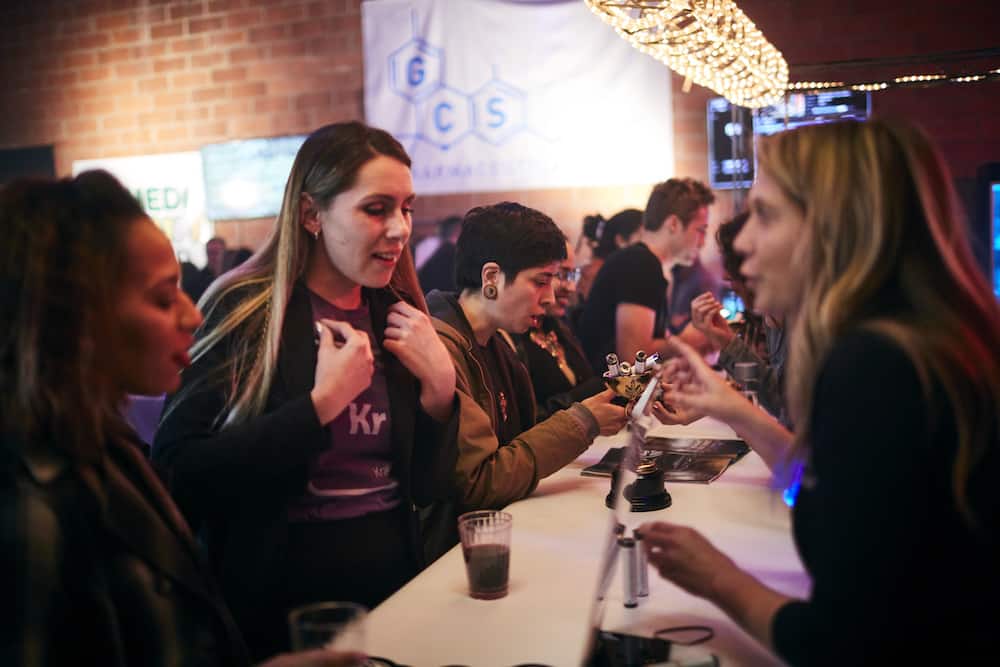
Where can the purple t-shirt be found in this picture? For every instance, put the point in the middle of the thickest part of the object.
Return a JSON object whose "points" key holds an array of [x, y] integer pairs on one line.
{"points": [[354, 476]]}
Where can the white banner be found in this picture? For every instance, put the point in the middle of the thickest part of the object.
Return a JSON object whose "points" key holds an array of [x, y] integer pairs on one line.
{"points": [[501, 95], [171, 190]]}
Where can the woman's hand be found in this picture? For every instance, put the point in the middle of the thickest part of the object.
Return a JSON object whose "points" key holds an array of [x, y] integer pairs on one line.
{"points": [[343, 369], [673, 414], [706, 318], [692, 387], [683, 555], [610, 417], [411, 337]]}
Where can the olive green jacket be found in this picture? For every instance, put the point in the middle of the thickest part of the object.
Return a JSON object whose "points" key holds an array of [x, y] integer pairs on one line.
{"points": [[490, 474]]}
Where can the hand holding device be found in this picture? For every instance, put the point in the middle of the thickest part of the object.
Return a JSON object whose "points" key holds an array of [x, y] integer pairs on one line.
{"points": [[706, 317]]}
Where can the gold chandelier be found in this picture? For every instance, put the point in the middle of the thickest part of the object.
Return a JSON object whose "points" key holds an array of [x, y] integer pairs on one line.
{"points": [[709, 42]]}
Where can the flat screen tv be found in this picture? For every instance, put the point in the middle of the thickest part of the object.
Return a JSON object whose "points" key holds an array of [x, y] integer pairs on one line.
{"points": [[731, 129], [995, 234], [800, 109], [246, 179], [730, 145]]}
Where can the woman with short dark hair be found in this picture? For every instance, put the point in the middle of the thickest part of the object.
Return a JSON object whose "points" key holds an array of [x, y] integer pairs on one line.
{"points": [[506, 263]]}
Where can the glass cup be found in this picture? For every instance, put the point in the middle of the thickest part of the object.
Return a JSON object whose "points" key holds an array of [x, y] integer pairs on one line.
{"points": [[486, 548], [338, 626]]}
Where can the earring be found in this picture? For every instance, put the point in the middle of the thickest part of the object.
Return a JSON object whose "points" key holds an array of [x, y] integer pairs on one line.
{"points": [[315, 234], [490, 291]]}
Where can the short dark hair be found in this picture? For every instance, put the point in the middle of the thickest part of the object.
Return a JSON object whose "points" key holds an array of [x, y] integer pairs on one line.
{"points": [[514, 236], [678, 196]]}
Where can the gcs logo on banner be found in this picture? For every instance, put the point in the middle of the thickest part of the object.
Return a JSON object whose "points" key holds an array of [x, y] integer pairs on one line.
{"points": [[494, 113]]}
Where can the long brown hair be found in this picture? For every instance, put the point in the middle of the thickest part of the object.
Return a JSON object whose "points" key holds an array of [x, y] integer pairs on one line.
{"points": [[883, 221], [326, 165], [62, 259]]}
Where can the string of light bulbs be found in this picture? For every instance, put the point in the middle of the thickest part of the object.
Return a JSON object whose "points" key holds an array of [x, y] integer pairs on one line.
{"points": [[714, 44], [897, 82]]}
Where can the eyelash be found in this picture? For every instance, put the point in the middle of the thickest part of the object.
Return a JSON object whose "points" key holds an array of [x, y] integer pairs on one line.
{"points": [[380, 210]]}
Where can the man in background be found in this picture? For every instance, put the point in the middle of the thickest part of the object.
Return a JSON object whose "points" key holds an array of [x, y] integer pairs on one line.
{"points": [[629, 304], [195, 281]]}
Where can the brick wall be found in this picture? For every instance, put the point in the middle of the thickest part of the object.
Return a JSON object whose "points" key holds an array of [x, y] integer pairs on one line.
{"points": [[132, 77], [100, 78]]}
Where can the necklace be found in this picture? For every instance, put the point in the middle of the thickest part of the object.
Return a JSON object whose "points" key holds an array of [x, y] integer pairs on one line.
{"points": [[549, 342]]}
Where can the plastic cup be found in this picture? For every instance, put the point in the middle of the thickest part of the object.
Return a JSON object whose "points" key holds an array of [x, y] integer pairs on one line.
{"points": [[486, 548], [338, 626]]}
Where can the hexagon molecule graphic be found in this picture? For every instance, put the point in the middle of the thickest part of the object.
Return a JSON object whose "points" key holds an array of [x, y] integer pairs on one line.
{"points": [[445, 117], [499, 111], [416, 69]]}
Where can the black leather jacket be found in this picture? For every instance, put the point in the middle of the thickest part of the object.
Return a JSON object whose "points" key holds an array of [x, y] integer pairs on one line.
{"points": [[233, 484], [100, 569]]}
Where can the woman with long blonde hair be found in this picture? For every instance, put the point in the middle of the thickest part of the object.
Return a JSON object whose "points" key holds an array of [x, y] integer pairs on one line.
{"points": [[893, 385], [318, 417]]}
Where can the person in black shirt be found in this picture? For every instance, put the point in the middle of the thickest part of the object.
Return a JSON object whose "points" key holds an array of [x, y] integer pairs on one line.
{"points": [[558, 367], [627, 307], [195, 281], [893, 384]]}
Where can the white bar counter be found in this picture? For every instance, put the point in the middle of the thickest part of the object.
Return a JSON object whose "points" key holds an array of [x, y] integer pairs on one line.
{"points": [[558, 538]]}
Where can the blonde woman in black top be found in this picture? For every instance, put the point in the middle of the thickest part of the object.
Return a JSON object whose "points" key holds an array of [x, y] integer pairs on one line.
{"points": [[893, 384]]}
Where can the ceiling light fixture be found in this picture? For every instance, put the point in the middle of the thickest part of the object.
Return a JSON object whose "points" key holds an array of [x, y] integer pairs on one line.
{"points": [[709, 42]]}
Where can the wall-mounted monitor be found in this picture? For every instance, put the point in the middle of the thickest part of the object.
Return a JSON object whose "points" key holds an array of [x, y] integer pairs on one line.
{"points": [[800, 109], [730, 145], [995, 234], [985, 222], [246, 179], [27, 161], [731, 129]]}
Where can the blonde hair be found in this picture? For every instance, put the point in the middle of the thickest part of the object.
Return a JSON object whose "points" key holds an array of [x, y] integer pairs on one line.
{"points": [[326, 165], [884, 223]]}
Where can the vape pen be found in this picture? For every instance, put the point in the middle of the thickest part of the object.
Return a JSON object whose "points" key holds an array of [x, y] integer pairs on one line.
{"points": [[643, 565], [631, 568]]}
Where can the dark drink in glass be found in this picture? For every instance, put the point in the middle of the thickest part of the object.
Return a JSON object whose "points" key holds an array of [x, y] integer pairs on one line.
{"points": [[486, 548], [488, 567]]}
